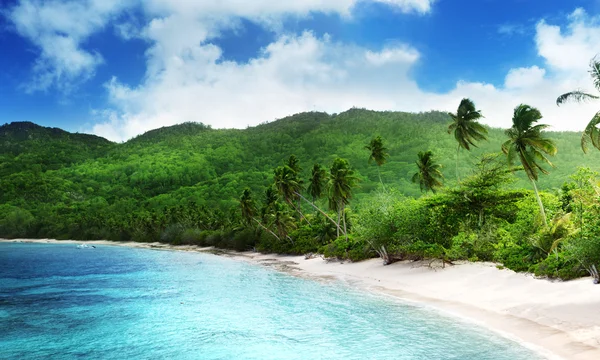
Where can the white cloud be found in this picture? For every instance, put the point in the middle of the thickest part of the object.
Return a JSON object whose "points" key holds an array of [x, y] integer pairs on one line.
{"points": [[301, 73], [58, 28], [294, 74], [524, 77], [188, 80]]}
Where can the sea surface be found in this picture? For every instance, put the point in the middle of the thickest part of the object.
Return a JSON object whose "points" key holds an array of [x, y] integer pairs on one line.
{"points": [[109, 302]]}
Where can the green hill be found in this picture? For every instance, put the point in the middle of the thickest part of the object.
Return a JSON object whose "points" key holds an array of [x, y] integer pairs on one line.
{"points": [[55, 175]]}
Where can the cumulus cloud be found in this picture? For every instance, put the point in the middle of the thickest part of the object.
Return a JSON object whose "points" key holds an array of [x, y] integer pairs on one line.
{"points": [[293, 74], [303, 72], [187, 78], [58, 28]]}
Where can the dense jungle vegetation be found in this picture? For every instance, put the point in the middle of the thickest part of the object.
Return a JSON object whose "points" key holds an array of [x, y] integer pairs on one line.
{"points": [[352, 185]]}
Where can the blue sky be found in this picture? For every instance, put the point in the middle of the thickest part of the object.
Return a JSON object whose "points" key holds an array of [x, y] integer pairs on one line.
{"points": [[119, 68]]}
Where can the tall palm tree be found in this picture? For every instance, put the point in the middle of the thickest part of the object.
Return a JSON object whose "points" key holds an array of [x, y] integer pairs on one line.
{"points": [[249, 211], [247, 206], [281, 220], [591, 132], [289, 186], [294, 164], [428, 175], [316, 188], [465, 127], [378, 154], [341, 182], [316, 185], [527, 143], [269, 202]]}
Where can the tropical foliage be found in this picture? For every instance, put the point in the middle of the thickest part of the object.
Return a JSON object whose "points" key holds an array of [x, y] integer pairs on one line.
{"points": [[467, 131], [591, 133], [527, 144], [429, 175], [243, 189]]}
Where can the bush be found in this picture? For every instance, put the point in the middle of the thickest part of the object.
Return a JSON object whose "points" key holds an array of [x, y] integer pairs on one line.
{"points": [[517, 257], [172, 234], [558, 267], [351, 249], [193, 236]]}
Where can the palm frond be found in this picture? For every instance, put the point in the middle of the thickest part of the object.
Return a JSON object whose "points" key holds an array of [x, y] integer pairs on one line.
{"points": [[595, 72], [577, 96], [591, 134]]}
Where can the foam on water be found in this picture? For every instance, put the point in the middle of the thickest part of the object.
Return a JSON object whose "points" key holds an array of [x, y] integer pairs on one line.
{"points": [[57, 301]]}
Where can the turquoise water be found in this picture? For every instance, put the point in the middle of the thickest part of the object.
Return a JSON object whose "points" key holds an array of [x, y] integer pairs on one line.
{"points": [[60, 302]]}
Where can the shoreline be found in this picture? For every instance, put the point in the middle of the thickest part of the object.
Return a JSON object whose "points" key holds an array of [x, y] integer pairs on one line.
{"points": [[559, 320]]}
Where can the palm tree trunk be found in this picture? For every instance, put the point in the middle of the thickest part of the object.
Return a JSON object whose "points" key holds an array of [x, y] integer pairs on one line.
{"points": [[457, 153], [539, 200], [379, 174], [322, 212], [297, 208], [269, 230], [339, 216], [344, 218]]}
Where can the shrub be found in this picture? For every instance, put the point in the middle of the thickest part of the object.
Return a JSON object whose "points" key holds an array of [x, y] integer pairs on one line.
{"points": [[558, 266]]}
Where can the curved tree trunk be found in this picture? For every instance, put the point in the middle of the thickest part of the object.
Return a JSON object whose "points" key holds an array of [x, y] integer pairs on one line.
{"points": [[539, 200], [269, 230], [339, 219], [297, 208], [322, 212], [344, 218]]}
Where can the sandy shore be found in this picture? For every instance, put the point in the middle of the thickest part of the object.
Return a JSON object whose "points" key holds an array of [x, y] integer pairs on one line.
{"points": [[557, 319]]}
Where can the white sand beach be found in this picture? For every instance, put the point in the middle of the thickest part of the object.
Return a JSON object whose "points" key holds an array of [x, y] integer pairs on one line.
{"points": [[557, 319]]}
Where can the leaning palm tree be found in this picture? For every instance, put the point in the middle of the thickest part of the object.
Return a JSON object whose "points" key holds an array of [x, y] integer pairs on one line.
{"points": [[316, 188], [282, 221], [249, 211], [465, 127], [341, 182], [378, 154], [428, 175], [527, 143], [289, 186], [316, 185], [591, 132], [247, 206], [269, 202], [294, 164]]}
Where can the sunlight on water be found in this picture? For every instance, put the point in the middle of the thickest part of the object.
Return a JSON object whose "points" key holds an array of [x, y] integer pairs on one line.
{"points": [[57, 301]]}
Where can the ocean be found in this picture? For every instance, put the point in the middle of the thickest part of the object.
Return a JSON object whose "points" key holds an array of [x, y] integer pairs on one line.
{"points": [[58, 301]]}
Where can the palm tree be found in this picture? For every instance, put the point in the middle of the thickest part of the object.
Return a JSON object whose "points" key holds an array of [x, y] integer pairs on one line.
{"points": [[294, 164], [270, 200], [316, 186], [591, 132], [341, 182], [281, 220], [289, 186], [249, 211], [465, 127], [247, 206], [528, 144], [429, 175], [378, 154]]}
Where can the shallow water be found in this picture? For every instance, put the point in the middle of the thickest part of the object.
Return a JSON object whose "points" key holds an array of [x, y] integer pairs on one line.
{"points": [[58, 301]]}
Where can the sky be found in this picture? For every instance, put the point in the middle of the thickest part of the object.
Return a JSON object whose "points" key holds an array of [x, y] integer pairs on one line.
{"points": [[118, 68]]}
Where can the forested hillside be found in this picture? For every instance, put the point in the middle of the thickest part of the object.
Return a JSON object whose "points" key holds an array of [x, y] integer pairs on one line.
{"points": [[211, 167], [183, 184]]}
